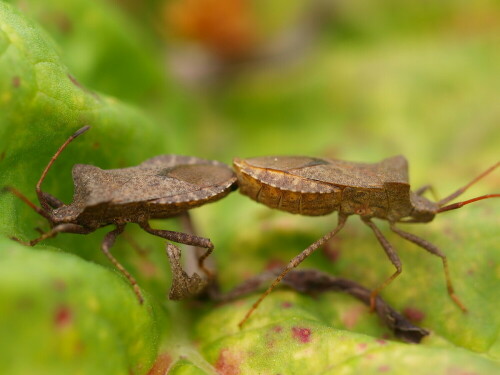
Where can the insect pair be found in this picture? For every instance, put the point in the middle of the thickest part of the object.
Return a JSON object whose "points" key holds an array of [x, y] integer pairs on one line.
{"points": [[169, 185]]}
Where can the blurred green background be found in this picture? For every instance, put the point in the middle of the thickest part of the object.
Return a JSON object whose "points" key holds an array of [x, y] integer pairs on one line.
{"points": [[222, 78]]}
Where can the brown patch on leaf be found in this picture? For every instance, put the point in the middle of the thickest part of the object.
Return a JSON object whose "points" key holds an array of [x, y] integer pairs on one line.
{"points": [[148, 268], [332, 249], [79, 85], [459, 371], [274, 263], [228, 363], [58, 19], [64, 23], [362, 346], [278, 329], [301, 334], [59, 285], [16, 81], [161, 365], [415, 315], [351, 316]]}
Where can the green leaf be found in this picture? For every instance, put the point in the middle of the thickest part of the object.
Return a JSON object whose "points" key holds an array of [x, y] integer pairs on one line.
{"points": [[432, 99], [58, 315], [41, 105]]}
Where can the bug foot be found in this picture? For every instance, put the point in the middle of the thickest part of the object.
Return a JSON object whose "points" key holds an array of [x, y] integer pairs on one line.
{"points": [[138, 293], [183, 285], [457, 301], [25, 243]]}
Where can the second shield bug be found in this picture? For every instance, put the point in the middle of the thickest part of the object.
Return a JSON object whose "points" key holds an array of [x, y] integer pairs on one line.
{"points": [[161, 187], [313, 186]]}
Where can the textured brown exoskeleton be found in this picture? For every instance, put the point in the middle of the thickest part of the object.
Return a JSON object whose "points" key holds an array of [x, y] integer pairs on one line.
{"points": [[161, 187], [313, 186]]}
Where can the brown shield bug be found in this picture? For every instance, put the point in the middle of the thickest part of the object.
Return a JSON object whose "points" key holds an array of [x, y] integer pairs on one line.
{"points": [[161, 187], [313, 186]]}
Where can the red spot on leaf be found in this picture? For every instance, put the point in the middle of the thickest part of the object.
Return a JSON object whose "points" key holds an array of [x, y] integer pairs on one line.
{"points": [[228, 363], [362, 345], [161, 365], [63, 316], [286, 304], [301, 334], [381, 341], [415, 315], [384, 368]]}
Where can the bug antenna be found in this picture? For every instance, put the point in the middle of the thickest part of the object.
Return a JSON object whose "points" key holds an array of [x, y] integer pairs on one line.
{"points": [[450, 197], [39, 192], [454, 206]]}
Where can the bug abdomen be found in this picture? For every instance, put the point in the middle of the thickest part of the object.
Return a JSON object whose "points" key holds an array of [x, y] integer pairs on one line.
{"points": [[263, 187]]}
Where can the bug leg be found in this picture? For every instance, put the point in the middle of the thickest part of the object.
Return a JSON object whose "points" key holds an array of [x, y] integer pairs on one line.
{"points": [[66, 228], [186, 239], [51, 200], [421, 191], [433, 250], [107, 243], [393, 257], [192, 257], [294, 263]]}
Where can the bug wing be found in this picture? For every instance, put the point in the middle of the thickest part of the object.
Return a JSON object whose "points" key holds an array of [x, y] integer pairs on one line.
{"points": [[337, 172], [329, 171], [163, 179]]}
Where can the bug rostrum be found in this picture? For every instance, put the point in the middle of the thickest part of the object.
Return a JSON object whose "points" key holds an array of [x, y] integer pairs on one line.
{"points": [[314, 186], [161, 187]]}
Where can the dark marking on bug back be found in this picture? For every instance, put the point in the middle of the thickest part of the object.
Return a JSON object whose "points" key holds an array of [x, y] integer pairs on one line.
{"points": [[313, 186]]}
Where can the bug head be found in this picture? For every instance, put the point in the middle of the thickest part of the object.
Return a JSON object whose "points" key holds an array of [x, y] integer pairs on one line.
{"points": [[421, 205], [423, 210], [49, 203]]}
